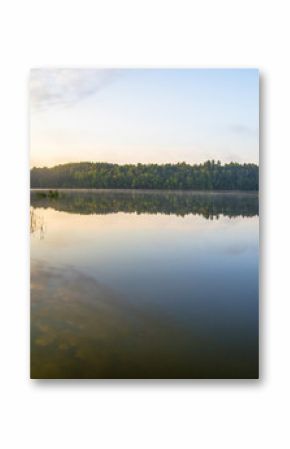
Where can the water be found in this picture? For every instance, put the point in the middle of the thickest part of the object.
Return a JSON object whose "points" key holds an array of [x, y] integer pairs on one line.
{"points": [[144, 285]]}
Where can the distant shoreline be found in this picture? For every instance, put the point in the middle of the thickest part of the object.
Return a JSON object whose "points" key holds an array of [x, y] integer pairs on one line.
{"points": [[201, 192], [209, 176]]}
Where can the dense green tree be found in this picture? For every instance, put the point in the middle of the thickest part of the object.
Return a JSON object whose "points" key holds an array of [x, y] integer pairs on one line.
{"points": [[208, 176]]}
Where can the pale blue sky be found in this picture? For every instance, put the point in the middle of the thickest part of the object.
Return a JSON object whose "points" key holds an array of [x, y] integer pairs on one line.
{"points": [[144, 115]]}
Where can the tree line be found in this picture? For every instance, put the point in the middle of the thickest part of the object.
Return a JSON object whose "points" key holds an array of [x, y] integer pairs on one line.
{"points": [[210, 175]]}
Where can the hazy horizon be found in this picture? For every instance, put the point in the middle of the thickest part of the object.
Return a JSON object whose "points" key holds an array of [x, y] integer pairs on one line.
{"points": [[129, 116], [131, 163]]}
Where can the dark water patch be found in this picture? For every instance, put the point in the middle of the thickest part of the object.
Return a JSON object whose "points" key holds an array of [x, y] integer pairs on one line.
{"points": [[81, 329]]}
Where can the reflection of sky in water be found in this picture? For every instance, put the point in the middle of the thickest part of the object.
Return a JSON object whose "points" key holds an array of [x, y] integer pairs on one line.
{"points": [[148, 284]]}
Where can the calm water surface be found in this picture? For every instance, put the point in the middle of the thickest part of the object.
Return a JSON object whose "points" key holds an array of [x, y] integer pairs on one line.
{"points": [[144, 285]]}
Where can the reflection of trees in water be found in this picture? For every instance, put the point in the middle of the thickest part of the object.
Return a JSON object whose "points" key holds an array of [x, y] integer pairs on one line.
{"points": [[37, 226], [209, 205]]}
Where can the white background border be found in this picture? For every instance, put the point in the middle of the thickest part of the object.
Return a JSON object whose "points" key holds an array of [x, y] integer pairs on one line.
{"points": [[201, 414]]}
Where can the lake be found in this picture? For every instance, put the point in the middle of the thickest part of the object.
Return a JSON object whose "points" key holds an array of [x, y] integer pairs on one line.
{"points": [[144, 284]]}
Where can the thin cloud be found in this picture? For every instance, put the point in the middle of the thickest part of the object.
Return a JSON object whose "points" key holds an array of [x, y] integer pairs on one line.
{"points": [[243, 130], [65, 87]]}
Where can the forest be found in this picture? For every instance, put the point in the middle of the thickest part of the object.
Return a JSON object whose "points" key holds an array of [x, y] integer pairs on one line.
{"points": [[210, 175]]}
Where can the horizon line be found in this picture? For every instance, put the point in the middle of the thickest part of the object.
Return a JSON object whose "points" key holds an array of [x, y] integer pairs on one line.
{"points": [[216, 161]]}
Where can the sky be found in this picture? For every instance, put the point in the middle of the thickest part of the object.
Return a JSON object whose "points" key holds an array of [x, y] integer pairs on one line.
{"points": [[143, 115]]}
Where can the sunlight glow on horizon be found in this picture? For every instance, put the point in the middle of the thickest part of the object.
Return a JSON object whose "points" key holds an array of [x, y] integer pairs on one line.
{"points": [[144, 115]]}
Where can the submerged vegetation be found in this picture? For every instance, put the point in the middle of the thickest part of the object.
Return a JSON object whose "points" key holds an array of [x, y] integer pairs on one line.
{"points": [[51, 194], [210, 175]]}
